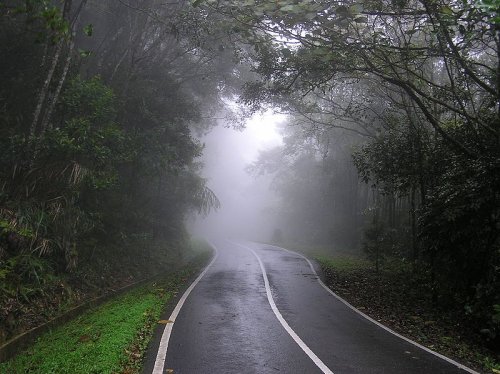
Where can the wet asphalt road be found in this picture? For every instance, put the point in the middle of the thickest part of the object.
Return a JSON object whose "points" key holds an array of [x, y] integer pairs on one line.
{"points": [[227, 324]]}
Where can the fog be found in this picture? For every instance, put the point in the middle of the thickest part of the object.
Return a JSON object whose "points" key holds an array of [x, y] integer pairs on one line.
{"points": [[247, 202]]}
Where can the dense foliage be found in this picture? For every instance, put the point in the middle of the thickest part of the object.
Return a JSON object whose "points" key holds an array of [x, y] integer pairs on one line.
{"points": [[416, 83], [98, 160]]}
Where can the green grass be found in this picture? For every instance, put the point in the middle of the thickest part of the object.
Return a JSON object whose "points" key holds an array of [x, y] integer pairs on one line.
{"points": [[343, 263], [105, 339]]}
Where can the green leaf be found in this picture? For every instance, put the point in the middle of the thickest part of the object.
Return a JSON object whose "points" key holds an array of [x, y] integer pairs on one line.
{"points": [[288, 8], [84, 53], [361, 19], [310, 16], [356, 8], [88, 29], [342, 11], [447, 10], [286, 52]]}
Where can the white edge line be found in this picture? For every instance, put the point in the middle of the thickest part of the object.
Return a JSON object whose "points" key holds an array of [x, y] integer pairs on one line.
{"points": [[447, 359], [162, 349], [317, 361]]}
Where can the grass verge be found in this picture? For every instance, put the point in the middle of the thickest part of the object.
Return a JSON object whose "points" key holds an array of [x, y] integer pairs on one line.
{"points": [[111, 338], [400, 299]]}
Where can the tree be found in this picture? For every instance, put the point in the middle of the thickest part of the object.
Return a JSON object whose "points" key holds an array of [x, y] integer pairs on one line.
{"points": [[431, 113], [99, 163]]}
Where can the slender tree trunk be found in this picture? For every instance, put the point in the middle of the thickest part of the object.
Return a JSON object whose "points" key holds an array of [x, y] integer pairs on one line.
{"points": [[118, 64], [414, 246], [45, 51], [48, 80], [45, 88], [46, 119], [52, 103], [45, 123]]}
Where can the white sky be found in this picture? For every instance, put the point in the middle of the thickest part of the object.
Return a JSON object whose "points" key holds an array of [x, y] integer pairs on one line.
{"points": [[262, 130]]}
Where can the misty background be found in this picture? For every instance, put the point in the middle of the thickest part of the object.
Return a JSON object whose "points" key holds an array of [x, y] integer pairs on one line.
{"points": [[248, 203]]}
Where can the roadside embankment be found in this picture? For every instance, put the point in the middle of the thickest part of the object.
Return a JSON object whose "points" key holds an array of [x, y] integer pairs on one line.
{"points": [[111, 337], [401, 299]]}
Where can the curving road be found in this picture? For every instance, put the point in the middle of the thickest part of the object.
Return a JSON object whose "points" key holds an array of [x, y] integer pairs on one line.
{"points": [[261, 309]]}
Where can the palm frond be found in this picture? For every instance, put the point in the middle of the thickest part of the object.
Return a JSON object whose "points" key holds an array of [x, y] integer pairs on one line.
{"points": [[207, 200]]}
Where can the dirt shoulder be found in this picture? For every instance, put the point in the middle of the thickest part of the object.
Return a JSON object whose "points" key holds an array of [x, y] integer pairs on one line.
{"points": [[401, 300]]}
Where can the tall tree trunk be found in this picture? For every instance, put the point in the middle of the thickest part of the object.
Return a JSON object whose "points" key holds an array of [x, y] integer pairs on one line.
{"points": [[45, 88], [55, 97], [413, 220], [48, 80], [48, 113]]}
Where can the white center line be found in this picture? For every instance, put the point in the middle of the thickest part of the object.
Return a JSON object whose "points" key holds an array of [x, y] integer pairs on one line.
{"points": [[317, 361], [162, 349]]}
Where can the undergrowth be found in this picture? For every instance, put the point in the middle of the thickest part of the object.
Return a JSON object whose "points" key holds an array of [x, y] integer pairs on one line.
{"points": [[111, 338], [401, 299]]}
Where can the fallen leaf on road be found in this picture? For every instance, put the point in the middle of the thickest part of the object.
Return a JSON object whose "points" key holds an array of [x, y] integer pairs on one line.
{"points": [[165, 321]]}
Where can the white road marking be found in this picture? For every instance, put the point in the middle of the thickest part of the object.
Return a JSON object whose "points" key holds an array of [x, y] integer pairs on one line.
{"points": [[317, 361], [162, 349], [457, 364]]}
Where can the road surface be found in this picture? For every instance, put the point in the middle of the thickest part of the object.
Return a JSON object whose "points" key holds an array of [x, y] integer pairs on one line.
{"points": [[261, 309]]}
